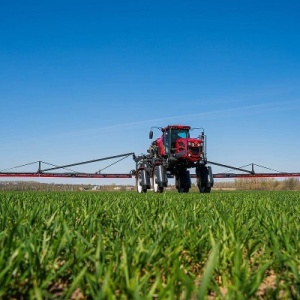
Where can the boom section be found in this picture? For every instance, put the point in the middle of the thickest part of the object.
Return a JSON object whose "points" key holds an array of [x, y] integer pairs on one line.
{"points": [[44, 173]]}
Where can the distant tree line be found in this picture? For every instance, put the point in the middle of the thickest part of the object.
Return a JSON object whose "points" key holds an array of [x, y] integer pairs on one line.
{"points": [[38, 186], [291, 184]]}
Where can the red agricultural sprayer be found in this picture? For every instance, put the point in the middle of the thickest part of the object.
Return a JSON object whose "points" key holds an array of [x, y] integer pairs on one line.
{"points": [[172, 155]]}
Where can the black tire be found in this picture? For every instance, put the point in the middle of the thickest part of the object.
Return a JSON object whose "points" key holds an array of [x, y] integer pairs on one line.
{"points": [[156, 187], [204, 189], [183, 182], [202, 180], [139, 187]]}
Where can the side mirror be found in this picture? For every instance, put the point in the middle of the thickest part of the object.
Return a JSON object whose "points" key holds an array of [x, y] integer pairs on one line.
{"points": [[151, 135]]}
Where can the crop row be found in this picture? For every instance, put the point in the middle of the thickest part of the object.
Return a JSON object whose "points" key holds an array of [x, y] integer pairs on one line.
{"points": [[237, 245]]}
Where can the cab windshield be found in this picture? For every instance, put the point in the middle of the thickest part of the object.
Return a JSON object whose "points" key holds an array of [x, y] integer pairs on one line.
{"points": [[172, 135], [179, 134], [175, 134]]}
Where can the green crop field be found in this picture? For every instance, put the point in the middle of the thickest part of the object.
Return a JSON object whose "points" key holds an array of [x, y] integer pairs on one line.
{"points": [[124, 245]]}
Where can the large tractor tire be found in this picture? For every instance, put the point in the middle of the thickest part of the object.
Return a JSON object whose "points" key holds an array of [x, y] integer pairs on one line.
{"points": [[142, 181], [156, 187], [205, 179], [159, 179], [183, 181]]}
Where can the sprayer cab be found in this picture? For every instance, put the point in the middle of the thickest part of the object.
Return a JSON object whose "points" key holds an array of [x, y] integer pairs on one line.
{"points": [[176, 142]]}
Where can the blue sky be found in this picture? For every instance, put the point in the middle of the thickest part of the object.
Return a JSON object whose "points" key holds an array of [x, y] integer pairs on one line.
{"points": [[85, 79]]}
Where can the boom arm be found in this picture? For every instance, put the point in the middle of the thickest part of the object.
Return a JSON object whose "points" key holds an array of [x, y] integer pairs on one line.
{"points": [[44, 173]]}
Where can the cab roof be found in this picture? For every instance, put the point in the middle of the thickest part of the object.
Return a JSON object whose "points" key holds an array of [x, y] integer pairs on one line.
{"points": [[178, 127]]}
